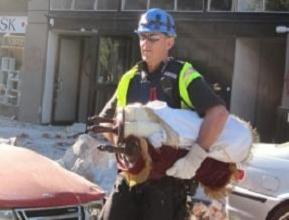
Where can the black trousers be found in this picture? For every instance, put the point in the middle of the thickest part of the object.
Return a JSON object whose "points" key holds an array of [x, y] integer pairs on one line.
{"points": [[163, 199]]}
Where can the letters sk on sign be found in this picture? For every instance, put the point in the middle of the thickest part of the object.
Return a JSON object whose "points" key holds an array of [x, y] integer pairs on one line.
{"points": [[13, 24]]}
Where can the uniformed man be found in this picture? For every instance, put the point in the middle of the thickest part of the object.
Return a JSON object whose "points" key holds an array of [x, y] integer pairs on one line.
{"points": [[160, 77]]}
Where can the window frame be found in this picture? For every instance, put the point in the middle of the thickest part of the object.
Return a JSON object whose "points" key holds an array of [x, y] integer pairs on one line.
{"points": [[206, 8]]}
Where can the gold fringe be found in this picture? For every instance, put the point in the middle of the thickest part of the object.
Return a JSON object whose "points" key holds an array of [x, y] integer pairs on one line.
{"points": [[142, 176]]}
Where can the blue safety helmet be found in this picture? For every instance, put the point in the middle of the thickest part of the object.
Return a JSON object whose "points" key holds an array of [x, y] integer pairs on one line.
{"points": [[157, 20]]}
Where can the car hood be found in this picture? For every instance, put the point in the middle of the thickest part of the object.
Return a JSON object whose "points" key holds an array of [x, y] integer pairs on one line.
{"points": [[265, 172], [31, 180], [271, 150]]}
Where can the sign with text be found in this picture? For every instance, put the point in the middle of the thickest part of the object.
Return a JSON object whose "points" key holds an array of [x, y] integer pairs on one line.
{"points": [[13, 24]]}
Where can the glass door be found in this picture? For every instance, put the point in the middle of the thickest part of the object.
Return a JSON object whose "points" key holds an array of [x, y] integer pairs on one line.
{"points": [[114, 58]]}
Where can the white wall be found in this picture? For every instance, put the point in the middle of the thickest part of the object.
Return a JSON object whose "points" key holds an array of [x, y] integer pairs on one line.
{"points": [[245, 78], [47, 101], [285, 96], [34, 61]]}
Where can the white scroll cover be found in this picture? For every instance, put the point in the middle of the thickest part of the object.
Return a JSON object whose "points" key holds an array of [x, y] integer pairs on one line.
{"points": [[161, 124]]}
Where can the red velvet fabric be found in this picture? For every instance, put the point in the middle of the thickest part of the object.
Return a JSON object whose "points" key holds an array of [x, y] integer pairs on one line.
{"points": [[162, 159]]}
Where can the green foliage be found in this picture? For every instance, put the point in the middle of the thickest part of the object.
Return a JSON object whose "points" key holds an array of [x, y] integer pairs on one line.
{"points": [[277, 5], [108, 56]]}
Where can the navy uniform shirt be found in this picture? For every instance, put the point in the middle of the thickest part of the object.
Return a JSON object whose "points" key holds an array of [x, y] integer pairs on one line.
{"points": [[162, 84]]}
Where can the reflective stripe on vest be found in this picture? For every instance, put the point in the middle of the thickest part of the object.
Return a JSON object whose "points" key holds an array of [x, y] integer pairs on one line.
{"points": [[187, 75], [122, 87]]}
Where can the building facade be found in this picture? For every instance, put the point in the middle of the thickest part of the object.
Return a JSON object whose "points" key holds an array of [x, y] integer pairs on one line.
{"points": [[13, 22], [76, 50]]}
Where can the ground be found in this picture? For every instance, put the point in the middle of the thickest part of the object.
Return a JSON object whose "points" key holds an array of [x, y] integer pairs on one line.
{"points": [[51, 141]]}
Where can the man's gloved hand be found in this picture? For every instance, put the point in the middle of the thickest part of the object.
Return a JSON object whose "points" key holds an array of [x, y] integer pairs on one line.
{"points": [[186, 167]]}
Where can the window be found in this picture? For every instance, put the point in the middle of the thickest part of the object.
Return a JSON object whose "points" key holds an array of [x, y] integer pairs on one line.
{"points": [[220, 5], [190, 5], [164, 4], [61, 4], [112, 60], [134, 4], [84, 4], [108, 4], [11, 51], [250, 5], [277, 5]]}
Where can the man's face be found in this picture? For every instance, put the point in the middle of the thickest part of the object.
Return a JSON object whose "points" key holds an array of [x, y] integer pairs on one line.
{"points": [[155, 47]]}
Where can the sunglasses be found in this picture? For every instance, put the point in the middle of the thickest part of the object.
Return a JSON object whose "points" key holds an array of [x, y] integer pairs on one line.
{"points": [[149, 37]]}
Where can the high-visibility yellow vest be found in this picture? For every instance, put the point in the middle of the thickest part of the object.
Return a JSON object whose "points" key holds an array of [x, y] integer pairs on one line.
{"points": [[187, 75]]}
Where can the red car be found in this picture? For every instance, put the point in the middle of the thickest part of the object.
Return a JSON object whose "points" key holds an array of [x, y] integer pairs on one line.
{"points": [[35, 187]]}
